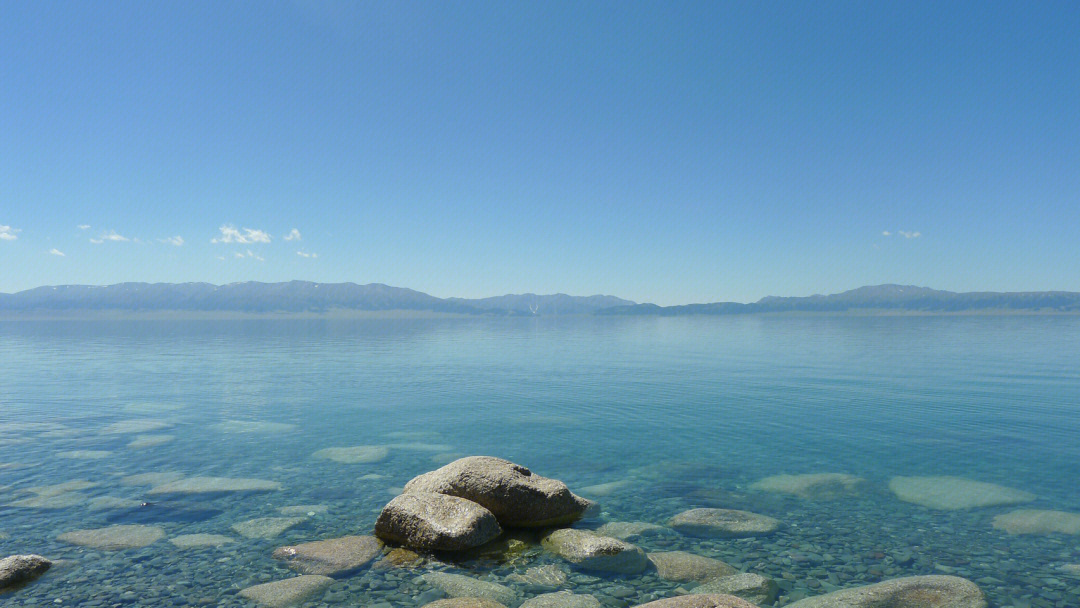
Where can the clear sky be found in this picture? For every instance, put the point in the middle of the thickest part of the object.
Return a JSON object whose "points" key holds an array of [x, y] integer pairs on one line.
{"points": [[670, 152]]}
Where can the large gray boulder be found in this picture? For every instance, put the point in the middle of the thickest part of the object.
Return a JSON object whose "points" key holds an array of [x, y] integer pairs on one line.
{"points": [[17, 569], [909, 592], [332, 556], [754, 588], [700, 600], [723, 523], [436, 522], [516, 496], [591, 551]]}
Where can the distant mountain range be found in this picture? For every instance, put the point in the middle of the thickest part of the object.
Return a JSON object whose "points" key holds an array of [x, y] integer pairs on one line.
{"points": [[290, 297], [321, 298], [883, 298]]}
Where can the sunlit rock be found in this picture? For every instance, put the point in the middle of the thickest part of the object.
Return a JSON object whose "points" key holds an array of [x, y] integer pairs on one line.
{"points": [[436, 522], [114, 538], [1038, 521], [723, 523], [266, 527], [909, 592], [813, 486], [19, 569], [211, 485], [952, 493], [289, 592], [359, 454], [457, 585], [591, 551], [754, 588], [331, 556], [198, 541], [687, 567]]}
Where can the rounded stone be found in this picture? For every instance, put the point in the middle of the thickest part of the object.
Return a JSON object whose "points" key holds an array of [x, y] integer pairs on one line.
{"points": [[331, 556], [953, 493], [910, 592], [19, 569], [114, 538], [591, 551], [754, 588], [464, 602], [436, 522], [687, 567], [516, 496], [1038, 521], [724, 523], [699, 600]]}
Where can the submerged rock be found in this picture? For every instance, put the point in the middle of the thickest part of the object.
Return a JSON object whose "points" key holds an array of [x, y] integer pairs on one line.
{"points": [[105, 503], [591, 551], [150, 441], [151, 479], [436, 522], [711, 600], [540, 578], [1038, 521], [813, 486], [19, 569], [754, 588], [266, 527], [399, 557], [457, 585], [516, 496], [135, 426], [253, 426], [161, 512], [49, 501], [562, 599], [464, 602], [308, 510], [952, 493], [85, 454], [289, 592], [687, 567], [606, 489], [331, 556], [355, 455], [723, 523], [213, 485], [626, 530], [196, 541], [910, 592], [114, 538]]}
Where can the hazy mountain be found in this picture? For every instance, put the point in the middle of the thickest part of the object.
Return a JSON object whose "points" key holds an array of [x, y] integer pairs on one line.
{"points": [[904, 298], [557, 304], [293, 296]]}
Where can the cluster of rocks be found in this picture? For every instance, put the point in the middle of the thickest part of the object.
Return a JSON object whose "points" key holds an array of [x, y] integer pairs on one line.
{"points": [[475, 504]]}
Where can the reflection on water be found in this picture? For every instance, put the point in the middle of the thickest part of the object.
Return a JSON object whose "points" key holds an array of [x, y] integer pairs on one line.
{"points": [[207, 431]]}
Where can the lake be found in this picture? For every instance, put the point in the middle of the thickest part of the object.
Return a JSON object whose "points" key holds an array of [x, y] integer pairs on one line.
{"points": [[648, 416]]}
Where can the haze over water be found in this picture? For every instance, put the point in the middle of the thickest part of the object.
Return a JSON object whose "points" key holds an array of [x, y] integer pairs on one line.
{"points": [[673, 413]]}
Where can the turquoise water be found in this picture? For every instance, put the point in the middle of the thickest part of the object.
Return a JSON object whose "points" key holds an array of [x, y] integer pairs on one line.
{"points": [[680, 412]]}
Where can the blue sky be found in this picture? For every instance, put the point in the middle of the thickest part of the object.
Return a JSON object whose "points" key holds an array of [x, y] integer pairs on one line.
{"points": [[664, 152]]}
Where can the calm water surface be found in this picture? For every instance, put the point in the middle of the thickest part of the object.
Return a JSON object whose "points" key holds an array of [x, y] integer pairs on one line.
{"points": [[679, 413]]}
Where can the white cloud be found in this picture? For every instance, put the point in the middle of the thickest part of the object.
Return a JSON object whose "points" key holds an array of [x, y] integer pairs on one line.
{"points": [[83, 226], [248, 254], [909, 235], [172, 240], [56, 251], [305, 254], [243, 236], [109, 236], [886, 233], [294, 235], [7, 233]]}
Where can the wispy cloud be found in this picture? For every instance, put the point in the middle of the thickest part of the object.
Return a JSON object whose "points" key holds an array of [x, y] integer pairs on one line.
{"points": [[305, 254], [7, 233], [55, 251], [172, 240], [109, 236], [909, 235], [294, 235], [886, 233], [83, 226], [248, 254], [243, 236]]}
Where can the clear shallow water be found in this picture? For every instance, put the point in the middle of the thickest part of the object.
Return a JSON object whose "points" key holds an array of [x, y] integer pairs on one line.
{"points": [[687, 412]]}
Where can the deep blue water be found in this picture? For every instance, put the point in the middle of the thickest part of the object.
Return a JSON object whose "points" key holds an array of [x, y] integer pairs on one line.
{"points": [[686, 412]]}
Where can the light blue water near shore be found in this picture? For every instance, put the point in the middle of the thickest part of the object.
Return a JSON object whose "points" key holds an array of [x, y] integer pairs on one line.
{"points": [[680, 412]]}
